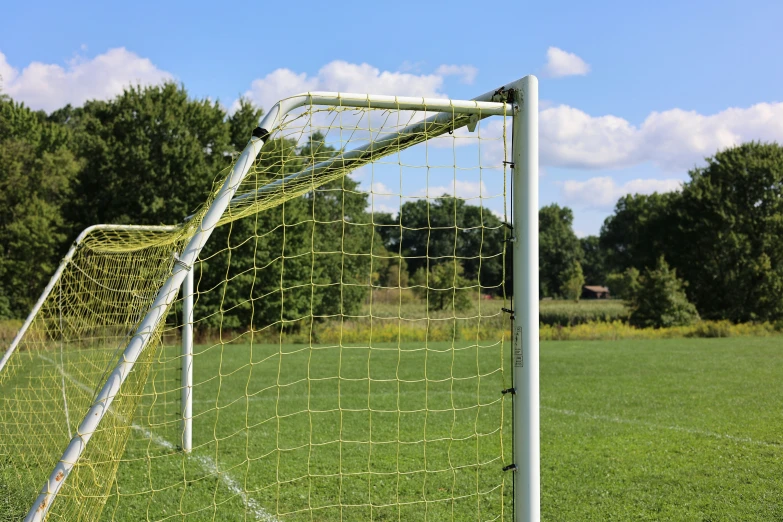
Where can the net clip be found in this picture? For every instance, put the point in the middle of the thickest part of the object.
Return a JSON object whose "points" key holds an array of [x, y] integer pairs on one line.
{"points": [[512, 391], [508, 311], [509, 163], [510, 467], [180, 262], [505, 95], [512, 238]]}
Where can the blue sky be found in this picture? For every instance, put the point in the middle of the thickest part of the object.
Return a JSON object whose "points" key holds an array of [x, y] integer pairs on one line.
{"points": [[633, 93]]}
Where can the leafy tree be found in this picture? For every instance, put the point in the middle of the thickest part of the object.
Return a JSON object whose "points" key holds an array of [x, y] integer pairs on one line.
{"points": [[428, 232], [391, 270], [642, 228], [573, 281], [242, 122], [731, 216], [558, 247], [594, 261], [660, 300], [623, 285], [290, 271], [443, 287], [36, 172], [150, 155]]}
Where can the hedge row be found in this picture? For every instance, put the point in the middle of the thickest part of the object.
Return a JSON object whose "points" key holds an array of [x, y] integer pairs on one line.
{"points": [[570, 313]]}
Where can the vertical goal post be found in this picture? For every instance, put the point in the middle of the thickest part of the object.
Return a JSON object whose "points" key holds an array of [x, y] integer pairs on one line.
{"points": [[517, 100]]}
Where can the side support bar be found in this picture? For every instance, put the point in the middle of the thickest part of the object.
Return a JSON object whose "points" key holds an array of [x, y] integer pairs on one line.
{"points": [[59, 272], [187, 363], [144, 333]]}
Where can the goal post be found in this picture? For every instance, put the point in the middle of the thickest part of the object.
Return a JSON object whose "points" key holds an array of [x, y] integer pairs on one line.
{"points": [[525, 334], [336, 304]]}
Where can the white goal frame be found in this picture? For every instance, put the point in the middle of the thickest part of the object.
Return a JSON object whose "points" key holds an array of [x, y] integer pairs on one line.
{"points": [[522, 106]]}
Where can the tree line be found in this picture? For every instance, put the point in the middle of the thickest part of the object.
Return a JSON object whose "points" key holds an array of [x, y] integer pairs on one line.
{"points": [[717, 242], [149, 155]]}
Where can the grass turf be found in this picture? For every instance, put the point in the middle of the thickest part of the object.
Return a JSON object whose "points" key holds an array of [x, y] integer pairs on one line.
{"points": [[631, 430]]}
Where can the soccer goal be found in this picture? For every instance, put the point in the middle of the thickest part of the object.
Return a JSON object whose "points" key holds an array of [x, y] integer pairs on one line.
{"points": [[347, 329]]}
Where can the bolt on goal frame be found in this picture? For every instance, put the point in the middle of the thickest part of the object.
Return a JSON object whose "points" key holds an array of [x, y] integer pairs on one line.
{"points": [[236, 198]]}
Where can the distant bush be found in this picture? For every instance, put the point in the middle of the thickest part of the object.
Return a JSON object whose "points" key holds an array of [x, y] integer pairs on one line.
{"points": [[8, 329], [443, 287], [623, 285], [573, 281], [618, 330], [713, 329], [660, 300], [569, 313]]}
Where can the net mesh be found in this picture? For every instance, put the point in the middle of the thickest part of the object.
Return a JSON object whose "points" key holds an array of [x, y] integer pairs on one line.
{"points": [[350, 345]]}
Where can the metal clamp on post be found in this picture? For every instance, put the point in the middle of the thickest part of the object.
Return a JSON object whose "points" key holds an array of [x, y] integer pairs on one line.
{"points": [[180, 262]]}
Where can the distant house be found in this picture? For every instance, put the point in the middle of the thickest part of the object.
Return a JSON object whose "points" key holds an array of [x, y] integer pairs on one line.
{"points": [[595, 292]]}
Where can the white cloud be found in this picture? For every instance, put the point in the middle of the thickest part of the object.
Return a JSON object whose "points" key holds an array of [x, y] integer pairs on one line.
{"points": [[467, 73], [562, 63], [603, 192], [460, 189], [673, 140], [350, 77], [50, 86]]}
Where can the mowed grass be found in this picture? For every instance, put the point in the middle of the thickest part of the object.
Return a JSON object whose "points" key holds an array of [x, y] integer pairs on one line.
{"points": [[662, 430], [411, 432], [680, 429]]}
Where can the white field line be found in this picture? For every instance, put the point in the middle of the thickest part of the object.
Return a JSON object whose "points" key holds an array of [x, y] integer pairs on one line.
{"points": [[652, 425], [207, 463]]}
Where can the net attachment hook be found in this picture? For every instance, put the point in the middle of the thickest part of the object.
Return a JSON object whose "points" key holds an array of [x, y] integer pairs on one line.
{"points": [[180, 262]]}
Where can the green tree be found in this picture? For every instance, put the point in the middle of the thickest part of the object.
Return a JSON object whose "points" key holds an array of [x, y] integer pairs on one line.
{"points": [[660, 300], [242, 122], [573, 280], [150, 155], [391, 270], [558, 247], [36, 173], [623, 285], [428, 232], [300, 261], [731, 217], [594, 262], [642, 228], [443, 287]]}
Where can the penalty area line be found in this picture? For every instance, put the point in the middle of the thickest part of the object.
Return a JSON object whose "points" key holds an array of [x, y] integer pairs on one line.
{"points": [[207, 463], [652, 425]]}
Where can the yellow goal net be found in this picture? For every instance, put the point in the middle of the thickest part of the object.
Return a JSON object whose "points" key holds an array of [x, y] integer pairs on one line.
{"points": [[327, 338]]}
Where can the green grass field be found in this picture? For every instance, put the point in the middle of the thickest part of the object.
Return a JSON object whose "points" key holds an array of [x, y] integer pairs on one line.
{"points": [[682, 429], [662, 430]]}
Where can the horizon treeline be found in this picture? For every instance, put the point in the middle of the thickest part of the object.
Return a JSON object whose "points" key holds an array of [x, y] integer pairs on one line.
{"points": [[149, 156]]}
